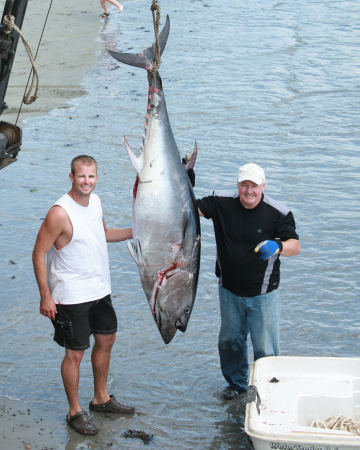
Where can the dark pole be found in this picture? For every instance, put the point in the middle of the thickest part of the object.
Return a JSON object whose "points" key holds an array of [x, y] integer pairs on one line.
{"points": [[10, 135], [8, 45]]}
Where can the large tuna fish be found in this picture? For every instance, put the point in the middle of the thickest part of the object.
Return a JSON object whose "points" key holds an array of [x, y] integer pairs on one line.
{"points": [[166, 226]]}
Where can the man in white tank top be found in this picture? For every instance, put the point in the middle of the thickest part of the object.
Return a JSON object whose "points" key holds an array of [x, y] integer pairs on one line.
{"points": [[74, 284]]}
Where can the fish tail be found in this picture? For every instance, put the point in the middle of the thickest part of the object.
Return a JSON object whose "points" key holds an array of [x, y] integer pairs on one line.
{"points": [[146, 59]]}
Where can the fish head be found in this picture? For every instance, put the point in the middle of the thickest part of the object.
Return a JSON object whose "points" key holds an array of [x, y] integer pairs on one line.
{"points": [[174, 304]]}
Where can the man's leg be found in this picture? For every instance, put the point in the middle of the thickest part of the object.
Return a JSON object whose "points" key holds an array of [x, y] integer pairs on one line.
{"points": [[70, 371], [232, 339], [263, 320], [119, 7], [114, 2], [105, 8], [100, 359], [103, 325], [75, 339]]}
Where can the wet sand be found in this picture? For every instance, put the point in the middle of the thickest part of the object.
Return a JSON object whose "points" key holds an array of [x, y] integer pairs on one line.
{"points": [[22, 427], [67, 50]]}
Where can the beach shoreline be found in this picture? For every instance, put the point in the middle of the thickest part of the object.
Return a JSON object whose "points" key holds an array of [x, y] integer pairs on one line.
{"points": [[68, 49]]}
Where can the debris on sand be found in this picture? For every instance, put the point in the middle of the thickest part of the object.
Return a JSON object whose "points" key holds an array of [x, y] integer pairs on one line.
{"points": [[146, 438]]}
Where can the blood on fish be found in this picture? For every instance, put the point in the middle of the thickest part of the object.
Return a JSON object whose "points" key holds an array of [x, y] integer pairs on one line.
{"points": [[176, 247], [135, 188], [162, 280]]}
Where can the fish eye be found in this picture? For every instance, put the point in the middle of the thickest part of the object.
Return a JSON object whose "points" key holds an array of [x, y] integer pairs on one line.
{"points": [[187, 310]]}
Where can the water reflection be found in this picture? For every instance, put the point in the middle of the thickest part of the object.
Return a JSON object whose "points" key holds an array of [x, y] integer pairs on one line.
{"points": [[231, 429]]}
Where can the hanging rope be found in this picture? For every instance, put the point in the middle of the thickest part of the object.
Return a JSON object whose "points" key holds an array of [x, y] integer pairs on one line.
{"points": [[156, 7], [11, 7], [34, 58], [9, 22]]}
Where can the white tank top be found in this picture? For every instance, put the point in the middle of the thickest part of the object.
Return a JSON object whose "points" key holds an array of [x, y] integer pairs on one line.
{"points": [[79, 272]]}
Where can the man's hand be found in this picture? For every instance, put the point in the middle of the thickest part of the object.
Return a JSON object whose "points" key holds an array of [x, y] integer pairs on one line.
{"points": [[48, 307], [268, 248]]}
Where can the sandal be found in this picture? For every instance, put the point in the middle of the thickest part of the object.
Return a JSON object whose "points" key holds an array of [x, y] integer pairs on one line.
{"points": [[112, 406], [104, 16], [80, 422]]}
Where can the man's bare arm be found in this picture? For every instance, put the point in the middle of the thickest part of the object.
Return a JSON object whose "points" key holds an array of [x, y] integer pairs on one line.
{"points": [[52, 227], [291, 247], [200, 213], [117, 234]]}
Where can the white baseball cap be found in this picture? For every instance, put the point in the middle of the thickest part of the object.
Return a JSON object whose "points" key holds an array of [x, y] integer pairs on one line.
{"points": [[251, 172]]}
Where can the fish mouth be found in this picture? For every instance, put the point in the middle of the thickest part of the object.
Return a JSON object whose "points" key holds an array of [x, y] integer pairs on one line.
{"points": [[167, 337], [168, 327], [180, 326]]}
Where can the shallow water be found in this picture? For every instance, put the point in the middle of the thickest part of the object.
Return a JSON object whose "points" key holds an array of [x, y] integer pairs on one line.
{"points": [[269, 82]]}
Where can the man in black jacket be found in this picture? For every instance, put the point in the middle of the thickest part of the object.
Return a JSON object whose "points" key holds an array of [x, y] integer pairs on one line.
{"points": [[251, 231]]}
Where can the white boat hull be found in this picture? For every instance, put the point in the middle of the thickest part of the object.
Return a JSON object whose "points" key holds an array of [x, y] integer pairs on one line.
{"points": [[294, 392]]}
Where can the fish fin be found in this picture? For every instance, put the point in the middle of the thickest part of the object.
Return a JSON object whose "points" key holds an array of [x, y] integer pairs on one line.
{"points": [[135, 252], [135, 161], [144, 60], [191, 163]]}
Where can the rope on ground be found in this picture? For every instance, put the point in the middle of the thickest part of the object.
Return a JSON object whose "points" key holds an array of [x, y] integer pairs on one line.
{"points": [[9, 22], [156, 7], [340, 422]]}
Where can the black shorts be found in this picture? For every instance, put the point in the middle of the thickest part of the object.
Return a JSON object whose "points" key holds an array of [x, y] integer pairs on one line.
{"points": [[75, 323]]}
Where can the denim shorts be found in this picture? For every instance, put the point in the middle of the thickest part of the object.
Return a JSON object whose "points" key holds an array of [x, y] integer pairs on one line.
{"points": [[75, 323]]}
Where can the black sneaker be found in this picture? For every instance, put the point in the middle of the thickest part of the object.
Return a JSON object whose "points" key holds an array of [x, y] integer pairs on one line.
{"points": [[230, 392]]}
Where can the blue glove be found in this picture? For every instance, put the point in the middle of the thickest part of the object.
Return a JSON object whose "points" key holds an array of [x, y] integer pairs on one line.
{"points": [[269, 248]]}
